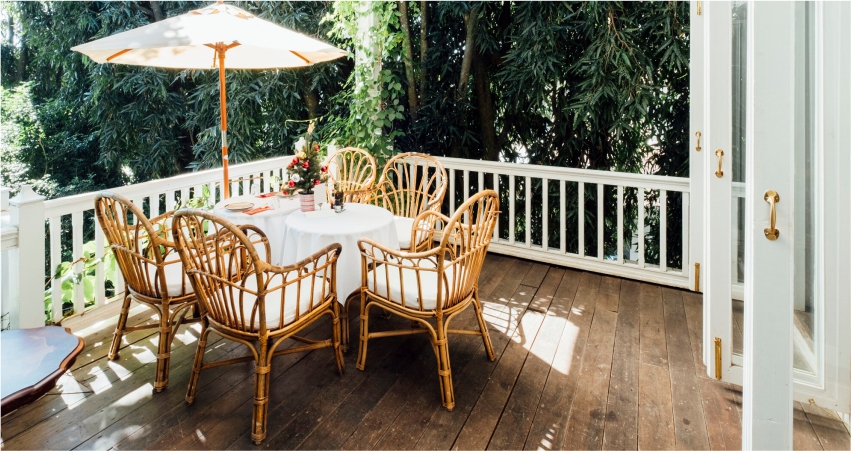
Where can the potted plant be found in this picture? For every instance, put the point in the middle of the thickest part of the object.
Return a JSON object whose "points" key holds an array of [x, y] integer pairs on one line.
{"points": [[306, 170]]}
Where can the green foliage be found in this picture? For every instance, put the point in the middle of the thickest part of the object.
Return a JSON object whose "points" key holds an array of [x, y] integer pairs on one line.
{"points": [[70, 277]]}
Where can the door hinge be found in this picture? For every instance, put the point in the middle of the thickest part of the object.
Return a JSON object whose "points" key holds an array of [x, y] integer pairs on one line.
{"points": [[717, 358], [699, 8], [697, 277]]}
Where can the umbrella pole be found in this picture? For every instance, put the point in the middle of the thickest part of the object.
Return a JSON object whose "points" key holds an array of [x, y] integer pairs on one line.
{"points": [[223, 104]]}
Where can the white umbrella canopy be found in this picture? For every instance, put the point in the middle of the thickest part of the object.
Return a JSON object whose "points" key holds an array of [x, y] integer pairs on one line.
{"points": [[201, 39]]}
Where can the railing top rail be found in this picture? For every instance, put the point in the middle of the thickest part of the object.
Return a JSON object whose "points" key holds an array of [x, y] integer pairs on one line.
{"points": [[82, 202], [679, 184]]}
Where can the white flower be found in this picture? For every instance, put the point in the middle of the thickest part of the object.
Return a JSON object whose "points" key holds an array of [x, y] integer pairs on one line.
{"points": [[295, 178], [300, 144]]}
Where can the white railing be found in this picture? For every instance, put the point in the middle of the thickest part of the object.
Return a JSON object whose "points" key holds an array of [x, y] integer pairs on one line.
{"points": [[524, 214], [70, 221], [525, 221]]}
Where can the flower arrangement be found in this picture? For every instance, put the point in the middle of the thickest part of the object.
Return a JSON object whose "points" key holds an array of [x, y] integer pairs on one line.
{"points": [[306, 170]]}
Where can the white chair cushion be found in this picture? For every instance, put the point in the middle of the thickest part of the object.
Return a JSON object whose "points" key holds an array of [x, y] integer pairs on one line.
{"points": [[403, 231], [378, 284], [273, 301], [175, 278]]}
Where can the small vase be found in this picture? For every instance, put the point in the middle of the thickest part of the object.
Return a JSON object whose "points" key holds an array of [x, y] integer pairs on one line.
{"points": [[306, 201]]}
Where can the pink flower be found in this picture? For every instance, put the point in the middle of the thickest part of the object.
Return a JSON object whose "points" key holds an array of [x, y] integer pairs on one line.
{"points": [[291, 184], [295, 160], [306, 165], [315, 182]]}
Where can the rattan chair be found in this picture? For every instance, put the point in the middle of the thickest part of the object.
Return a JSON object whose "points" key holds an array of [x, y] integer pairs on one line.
{"points": [[245, 299], [410, 184], [432, 287], [152, 271], [352, 170]]}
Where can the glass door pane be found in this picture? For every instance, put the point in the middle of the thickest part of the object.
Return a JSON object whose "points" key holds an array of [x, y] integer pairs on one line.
{"points": [[738, 149]]}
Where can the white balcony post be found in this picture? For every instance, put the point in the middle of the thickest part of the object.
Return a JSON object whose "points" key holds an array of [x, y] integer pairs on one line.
{"points": [[27, 260]]}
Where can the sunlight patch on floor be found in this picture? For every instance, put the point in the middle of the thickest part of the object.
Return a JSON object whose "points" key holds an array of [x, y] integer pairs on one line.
{"points": [[73, 392], [569, 336], [101, 382]]}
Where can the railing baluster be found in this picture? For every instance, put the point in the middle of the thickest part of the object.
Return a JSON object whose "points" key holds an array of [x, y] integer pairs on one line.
{"points": [[580, 217], [620, 224], [77, 246], [528, 212], [562, 223], [663, 230], [169, 200], [246, 184], [545, 213], [641, 199], [100, 289], [155, 205], [55, 260], [451, 192], [511, 217], [601, 224], [496, 188], [184, 196], [481, 181], [685, 258], [466, 193]]}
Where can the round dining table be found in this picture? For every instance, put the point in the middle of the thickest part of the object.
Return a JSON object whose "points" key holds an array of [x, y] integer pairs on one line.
{"points": [[304, 236], [271, 221]]}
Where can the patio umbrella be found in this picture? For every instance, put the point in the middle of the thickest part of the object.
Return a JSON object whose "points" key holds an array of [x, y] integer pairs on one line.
{"points": [[202, 38]]}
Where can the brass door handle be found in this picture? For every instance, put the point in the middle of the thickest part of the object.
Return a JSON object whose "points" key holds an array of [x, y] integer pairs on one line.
{"points": [[719, 173], [698, 134], [772, 198]]}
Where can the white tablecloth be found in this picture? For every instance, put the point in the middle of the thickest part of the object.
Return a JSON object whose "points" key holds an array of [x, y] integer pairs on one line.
{"points": [[271, 222], [306, 236]]}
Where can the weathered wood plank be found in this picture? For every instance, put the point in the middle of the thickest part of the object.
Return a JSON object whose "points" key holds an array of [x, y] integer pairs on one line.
{"points": [[655, 413], [621, 431], [398, 417], [502, 311], [653, 347], [610, 291], [829, 429], [484, 415], [536, 275], [548, 426], [118, 387], [517, 416], [689, 423], [587, 419], [804, 436], [154, 419]]}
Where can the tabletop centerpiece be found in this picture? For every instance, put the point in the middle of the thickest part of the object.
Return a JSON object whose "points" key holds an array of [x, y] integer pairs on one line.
{"points": [[306, 171]]}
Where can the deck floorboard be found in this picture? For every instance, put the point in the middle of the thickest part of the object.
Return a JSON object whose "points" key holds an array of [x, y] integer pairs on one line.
{"points": [[583, 361]]}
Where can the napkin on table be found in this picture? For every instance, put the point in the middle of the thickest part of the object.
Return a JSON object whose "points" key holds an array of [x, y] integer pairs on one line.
{"points": [[254, 211], [263, 196]]}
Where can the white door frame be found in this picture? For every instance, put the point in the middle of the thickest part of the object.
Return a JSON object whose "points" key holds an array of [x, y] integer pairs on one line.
{"points": [[769, 270], [697, 145]]}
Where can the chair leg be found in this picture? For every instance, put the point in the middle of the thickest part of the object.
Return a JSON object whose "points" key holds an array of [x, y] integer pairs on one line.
{"points": [[344, 326], [335, 338], [483, 327], [119, 328], [163, 350], [444, 371], [196, 364], [364, 332], [262, 367]]}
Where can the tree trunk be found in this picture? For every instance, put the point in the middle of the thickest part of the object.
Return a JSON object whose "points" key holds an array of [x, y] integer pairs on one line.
{"points": [[311, 99], [423, 48], [470, 20], [409, 58], [487, 114], [157, 11], [21, 70]]}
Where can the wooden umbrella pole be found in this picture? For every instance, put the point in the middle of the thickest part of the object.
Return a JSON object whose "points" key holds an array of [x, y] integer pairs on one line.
{"points": [[221, 48]]}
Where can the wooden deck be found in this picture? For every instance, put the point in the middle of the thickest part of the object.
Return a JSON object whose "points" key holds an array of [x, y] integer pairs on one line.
{"points": [[583, 362]]}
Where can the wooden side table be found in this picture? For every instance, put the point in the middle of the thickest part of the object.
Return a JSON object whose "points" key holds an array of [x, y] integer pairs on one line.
{"points": [[32, 361]]}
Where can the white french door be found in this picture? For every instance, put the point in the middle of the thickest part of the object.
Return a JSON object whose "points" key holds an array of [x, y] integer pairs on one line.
{"points": [[772, 105]]}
